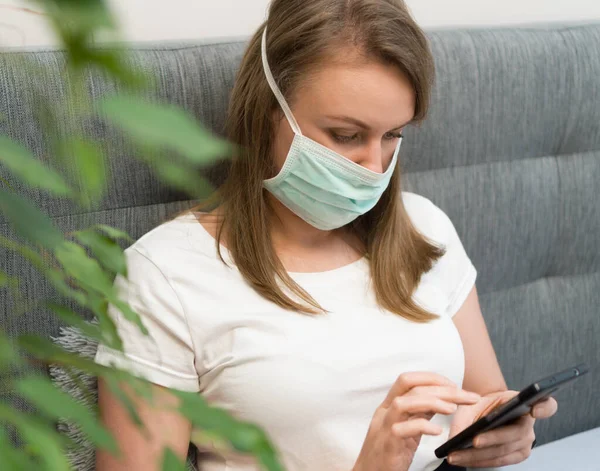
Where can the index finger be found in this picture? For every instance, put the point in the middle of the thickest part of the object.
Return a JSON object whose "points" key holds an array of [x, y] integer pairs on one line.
{"points": [[407, 381]]}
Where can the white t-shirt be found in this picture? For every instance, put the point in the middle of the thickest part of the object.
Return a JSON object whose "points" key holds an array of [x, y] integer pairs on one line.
{"points": [[311, 382]]}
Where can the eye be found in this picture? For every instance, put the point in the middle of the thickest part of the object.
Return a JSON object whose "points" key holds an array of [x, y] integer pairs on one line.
{"points": [[389, 136], [344, 138]]}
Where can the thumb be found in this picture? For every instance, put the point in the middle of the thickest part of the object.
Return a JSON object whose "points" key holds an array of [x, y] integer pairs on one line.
{"points": [[468, 414]]}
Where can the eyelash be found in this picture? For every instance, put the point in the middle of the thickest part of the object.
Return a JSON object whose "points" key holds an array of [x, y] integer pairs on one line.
{"points": [[347, 139]]}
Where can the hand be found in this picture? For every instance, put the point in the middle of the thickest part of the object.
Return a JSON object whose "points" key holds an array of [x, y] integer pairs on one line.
{"points": [[404, 416], [505, 445]]}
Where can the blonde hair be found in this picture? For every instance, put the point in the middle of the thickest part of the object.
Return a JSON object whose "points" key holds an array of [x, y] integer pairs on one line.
{"points": [[302, 34]]}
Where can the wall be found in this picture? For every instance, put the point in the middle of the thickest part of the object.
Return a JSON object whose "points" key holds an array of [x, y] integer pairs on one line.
{"points": [[185, 19]]}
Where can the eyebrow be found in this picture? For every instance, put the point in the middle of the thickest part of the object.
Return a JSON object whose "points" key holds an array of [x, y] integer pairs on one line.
{"points": [[359, 123]]}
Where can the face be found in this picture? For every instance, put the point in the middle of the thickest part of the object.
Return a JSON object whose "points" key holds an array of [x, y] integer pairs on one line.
{"points": [[357, 110]]}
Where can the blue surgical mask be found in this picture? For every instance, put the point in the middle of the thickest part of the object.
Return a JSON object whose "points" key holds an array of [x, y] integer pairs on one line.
{"points": [[319, 185]]}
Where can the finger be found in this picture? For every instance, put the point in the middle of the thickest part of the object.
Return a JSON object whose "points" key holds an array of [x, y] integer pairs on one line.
{"points": [[463, 418], [522, 429], [545, 409], [496, 402], [472, 456], [452, 394], [506, 460], [407, 381], [405, 406], [415, 428]]}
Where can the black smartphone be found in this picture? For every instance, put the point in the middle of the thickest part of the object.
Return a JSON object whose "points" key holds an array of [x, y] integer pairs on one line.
{"points": [[520, 405]]}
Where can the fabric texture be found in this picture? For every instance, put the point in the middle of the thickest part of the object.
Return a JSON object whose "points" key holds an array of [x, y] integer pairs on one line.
{"points": [[300, 378], [510, 152]]}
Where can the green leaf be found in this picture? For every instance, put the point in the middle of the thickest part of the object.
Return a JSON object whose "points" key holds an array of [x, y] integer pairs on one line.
{"points": [[48, 352], [88, 395], [113, 233], [165, 125], [202, 438], [90, 330], [28, 221], [8, 355], [8, 281], [84, 269], [80, 15], [13, 458], [184, 178], [116, 388], [34, 258], [29, 169], [106, 250], [57, 278], [141, 387], [246, 438], [217, 423], [46, 445], [43, 440], [58, 404], [129, 314], [171, 461], [90, 168], [269, 458], [110, 335], [7, 183]]}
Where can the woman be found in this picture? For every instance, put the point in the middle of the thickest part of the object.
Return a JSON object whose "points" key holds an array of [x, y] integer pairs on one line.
{"points": [[317, 300]]}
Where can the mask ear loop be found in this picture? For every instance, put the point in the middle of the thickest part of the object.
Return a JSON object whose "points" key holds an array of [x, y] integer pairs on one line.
{"points": [[275, 88], [397, 151], [394, 160]]}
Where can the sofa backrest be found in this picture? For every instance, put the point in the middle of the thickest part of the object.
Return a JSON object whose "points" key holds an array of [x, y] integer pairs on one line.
{"points": [[511, 152]]}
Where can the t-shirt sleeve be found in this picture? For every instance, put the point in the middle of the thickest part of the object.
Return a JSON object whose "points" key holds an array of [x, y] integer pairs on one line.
{"points": [[454, 272], [166, 356]]}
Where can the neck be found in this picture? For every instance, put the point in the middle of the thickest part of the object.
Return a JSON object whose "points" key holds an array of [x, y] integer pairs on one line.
{"points": [[290, 230]]}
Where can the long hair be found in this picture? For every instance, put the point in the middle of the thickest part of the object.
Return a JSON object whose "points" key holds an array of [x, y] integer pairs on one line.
{"points": [[301, 35]]}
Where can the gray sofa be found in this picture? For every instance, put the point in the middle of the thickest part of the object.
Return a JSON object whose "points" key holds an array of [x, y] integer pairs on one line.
{"points": [[511, 151]]}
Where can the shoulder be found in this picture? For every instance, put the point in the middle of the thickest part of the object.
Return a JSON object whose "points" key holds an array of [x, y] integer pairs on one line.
{"points": [[181, 252], [164, 237], [172, 245], [429, 219], [453, 273]]}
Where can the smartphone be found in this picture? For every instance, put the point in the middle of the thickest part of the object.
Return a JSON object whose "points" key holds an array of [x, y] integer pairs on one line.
{"points": [[518, 406]]}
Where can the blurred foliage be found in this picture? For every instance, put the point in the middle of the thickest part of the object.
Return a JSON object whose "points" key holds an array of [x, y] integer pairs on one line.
{"points": [[81, 266]]}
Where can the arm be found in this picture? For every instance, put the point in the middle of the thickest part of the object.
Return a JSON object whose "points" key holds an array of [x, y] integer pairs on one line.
{"points": [[510, 443], [165, 429], [166, 358], [482, 371]]}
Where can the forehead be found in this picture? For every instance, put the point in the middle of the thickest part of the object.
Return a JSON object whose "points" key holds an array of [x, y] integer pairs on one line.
{"points": [[376, 93]]}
